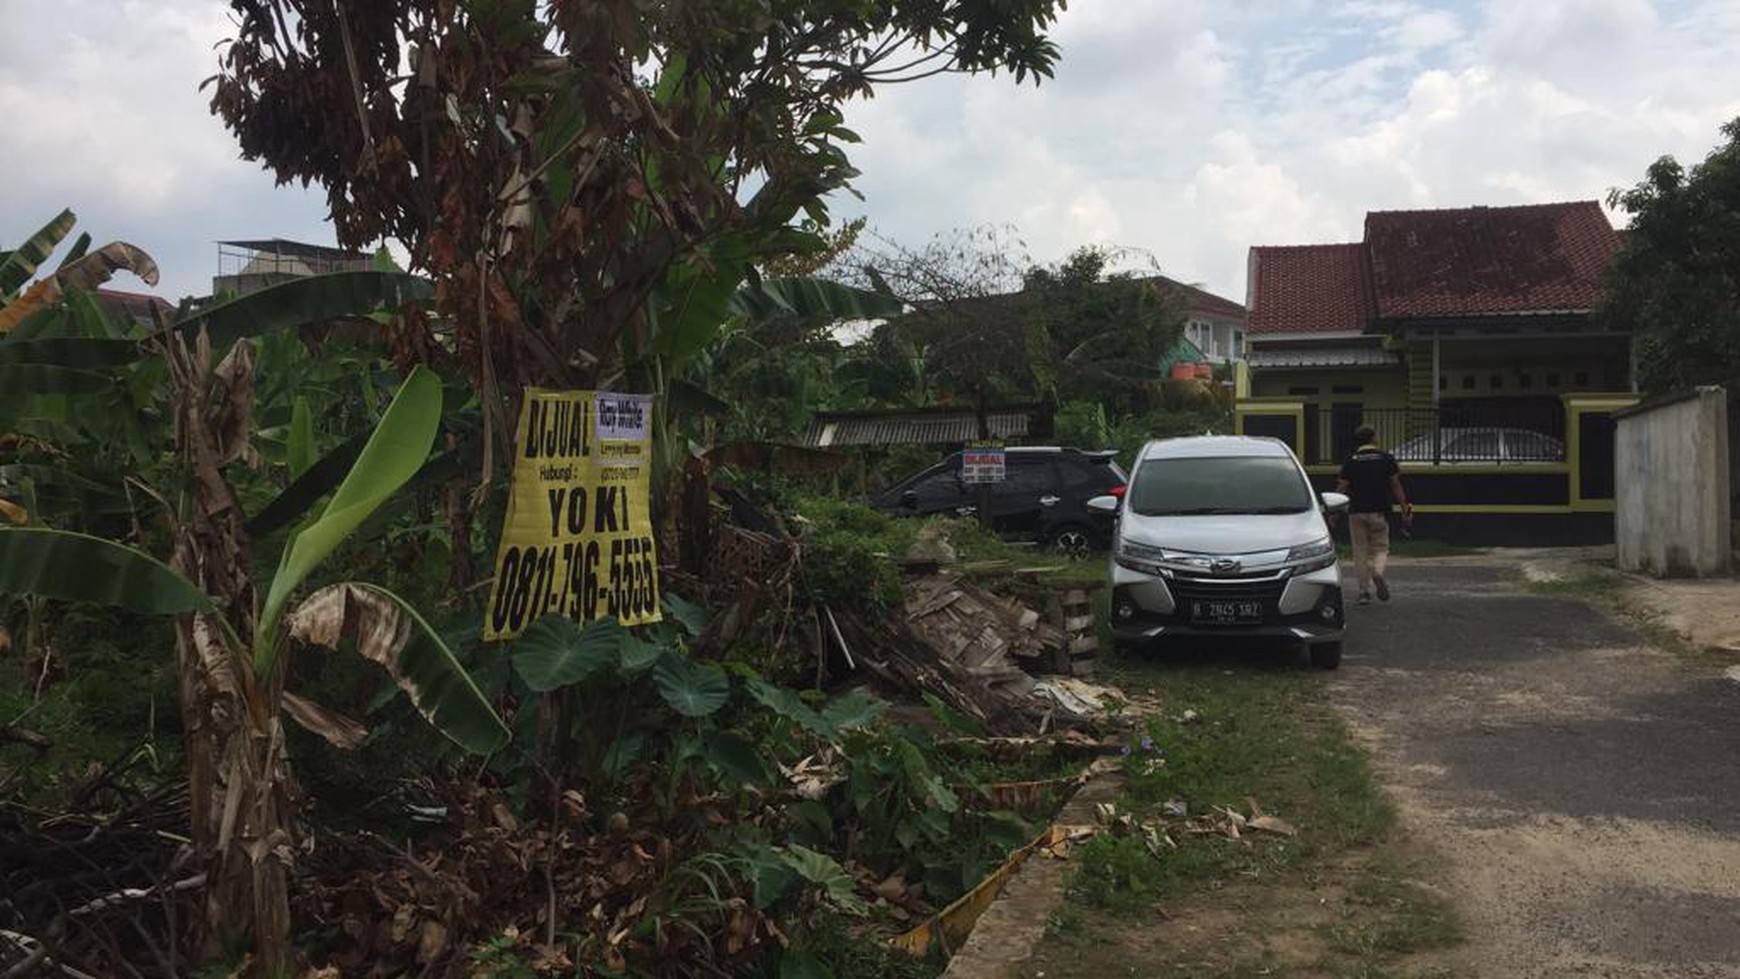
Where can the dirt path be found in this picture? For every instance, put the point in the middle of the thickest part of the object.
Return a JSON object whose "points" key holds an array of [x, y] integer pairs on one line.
{"points": [[1578, 786]]}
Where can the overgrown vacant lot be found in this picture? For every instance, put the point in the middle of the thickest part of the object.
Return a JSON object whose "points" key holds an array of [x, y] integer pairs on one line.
{"points": [[1250, 730]]}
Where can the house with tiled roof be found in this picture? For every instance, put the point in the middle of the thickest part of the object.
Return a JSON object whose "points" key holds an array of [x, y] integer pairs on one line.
{"points": [[1213, 324], [1466, 337]]}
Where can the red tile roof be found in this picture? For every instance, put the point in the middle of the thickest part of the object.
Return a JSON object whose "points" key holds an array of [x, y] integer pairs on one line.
{"points": [[1486, 260], [134, 307], [1195, 300], [1310, 289]]}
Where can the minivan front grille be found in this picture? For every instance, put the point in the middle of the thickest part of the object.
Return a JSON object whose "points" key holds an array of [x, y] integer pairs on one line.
{"points": [[1222, 589]]}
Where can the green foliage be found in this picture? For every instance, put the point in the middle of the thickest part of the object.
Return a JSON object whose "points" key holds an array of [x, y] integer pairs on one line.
{"points": [[775, 871], [299, 444], [831, 949], [1675, 279], [101, 704], [898, 805], [691, 689], [1388, 914], [422, 664], [392, 455], [556, 652], [304, 301], [849, 551], [61, 565], [1083, 425], [1119, 873], [850, 712], [19, 264], [1106, 333]]}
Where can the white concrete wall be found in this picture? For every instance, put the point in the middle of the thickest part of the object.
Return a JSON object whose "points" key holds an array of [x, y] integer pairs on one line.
{"points": [[1671, 472]]}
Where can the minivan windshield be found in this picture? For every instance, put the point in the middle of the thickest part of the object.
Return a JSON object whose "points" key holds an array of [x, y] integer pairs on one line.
{"points": [[1219, 484]]}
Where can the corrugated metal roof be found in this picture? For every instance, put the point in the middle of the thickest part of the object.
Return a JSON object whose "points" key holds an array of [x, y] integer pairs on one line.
{"points": [[1339, 356], [298, 249], [914, 428]]}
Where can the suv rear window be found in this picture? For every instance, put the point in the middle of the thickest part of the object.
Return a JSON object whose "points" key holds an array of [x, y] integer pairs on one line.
{"points": [[1220, 484], [1091, 473]]}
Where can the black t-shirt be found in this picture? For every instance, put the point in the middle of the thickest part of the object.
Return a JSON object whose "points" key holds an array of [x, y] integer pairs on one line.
{"points": [[1368, 474]]}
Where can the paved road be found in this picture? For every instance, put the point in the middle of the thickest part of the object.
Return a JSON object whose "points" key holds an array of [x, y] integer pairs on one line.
{"points": [[1582, 788]]}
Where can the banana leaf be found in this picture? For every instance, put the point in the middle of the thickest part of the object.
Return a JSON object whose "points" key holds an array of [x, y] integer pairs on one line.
{"points": [[299, 443], [395, 451], [385, 629], [64, 487], [807, 296], [16, 379], [304, 301], [21, 263], [73, 567], [76, 353]]}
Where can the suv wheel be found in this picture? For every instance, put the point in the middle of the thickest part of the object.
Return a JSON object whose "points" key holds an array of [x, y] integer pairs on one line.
{"points": [[1072, 542], [1326, 655]]}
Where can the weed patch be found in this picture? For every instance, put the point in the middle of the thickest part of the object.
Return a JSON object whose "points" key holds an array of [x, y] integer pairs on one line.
{"points": [[1387, 914], [1334, 900]]}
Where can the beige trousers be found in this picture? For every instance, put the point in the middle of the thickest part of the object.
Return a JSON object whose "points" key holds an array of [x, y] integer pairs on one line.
{"points": [[1371, 546]]}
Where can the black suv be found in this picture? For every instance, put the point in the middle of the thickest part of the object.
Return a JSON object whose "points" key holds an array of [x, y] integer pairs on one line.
{"points": [[1043, 496]]}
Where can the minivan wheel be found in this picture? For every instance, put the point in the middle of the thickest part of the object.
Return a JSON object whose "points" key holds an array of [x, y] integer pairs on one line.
{"points": [[1072, 542], [1326, 655]]}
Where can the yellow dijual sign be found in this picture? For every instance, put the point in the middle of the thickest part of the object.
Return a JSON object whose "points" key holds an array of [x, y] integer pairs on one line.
{"points": [[577, 540]]}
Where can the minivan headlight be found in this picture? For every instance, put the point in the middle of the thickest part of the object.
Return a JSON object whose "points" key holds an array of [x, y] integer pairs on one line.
{"points": [[1144, 558], [1318, 554]]}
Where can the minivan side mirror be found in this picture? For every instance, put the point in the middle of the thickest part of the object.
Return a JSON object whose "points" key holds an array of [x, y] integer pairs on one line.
{"points": [[1335, 502], [1105, 505]]}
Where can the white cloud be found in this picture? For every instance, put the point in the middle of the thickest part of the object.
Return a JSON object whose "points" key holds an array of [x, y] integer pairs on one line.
{"points": [[106, 117], [1189, 129], [1306, 121]]}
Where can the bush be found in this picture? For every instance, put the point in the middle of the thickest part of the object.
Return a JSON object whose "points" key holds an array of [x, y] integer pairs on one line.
{"points": [[849, 551]]}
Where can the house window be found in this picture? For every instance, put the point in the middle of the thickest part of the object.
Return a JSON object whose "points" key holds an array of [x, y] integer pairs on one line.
{"points": [[1347, 389], [1496, 382], [1443, 382], [1238, 349], [1581, 379], [1302, 391], [1552, 380], [1468, 382], [1525, 380]]}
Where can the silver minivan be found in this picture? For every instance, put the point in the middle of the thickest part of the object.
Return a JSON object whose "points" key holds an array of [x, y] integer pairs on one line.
{"points": [[1221, 536]]}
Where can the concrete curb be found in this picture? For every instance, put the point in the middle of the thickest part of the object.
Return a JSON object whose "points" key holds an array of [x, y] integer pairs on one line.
{"points": [[1012, 927]]}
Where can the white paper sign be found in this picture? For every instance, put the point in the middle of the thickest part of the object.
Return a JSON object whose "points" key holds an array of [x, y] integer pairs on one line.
{"points": [[623, 417]]}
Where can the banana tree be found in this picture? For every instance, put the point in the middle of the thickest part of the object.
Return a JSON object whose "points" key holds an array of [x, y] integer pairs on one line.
{"points": [[80, 269], [232, 651], [232, 676]]}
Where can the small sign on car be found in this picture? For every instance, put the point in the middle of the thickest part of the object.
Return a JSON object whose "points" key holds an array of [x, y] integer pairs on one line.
{"points": [[982, 462]]}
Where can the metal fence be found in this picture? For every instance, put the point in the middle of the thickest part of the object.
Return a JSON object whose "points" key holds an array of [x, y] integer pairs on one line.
{"points": [[1520, 431]]}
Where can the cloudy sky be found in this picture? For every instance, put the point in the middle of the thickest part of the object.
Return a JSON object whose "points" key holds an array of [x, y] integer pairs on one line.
{"points": [[1187, 129]]}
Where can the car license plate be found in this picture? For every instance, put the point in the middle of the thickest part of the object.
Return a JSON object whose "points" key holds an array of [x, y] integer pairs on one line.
{"points": [[1227, 612]]}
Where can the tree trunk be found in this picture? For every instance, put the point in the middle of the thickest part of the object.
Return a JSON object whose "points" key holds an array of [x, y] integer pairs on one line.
{"points": [[461, 572], [241, 795]]}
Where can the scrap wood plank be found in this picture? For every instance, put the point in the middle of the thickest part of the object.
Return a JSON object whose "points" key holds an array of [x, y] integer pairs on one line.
{"points": [[1083, 644], [933, 604], [1077, 623]]}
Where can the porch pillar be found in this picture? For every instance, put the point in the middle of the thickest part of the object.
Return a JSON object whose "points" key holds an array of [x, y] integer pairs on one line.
{"points": [[1437, 371]]}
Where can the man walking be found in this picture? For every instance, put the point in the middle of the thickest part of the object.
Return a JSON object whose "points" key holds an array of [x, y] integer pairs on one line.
{"points": [[1371, 478]]}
